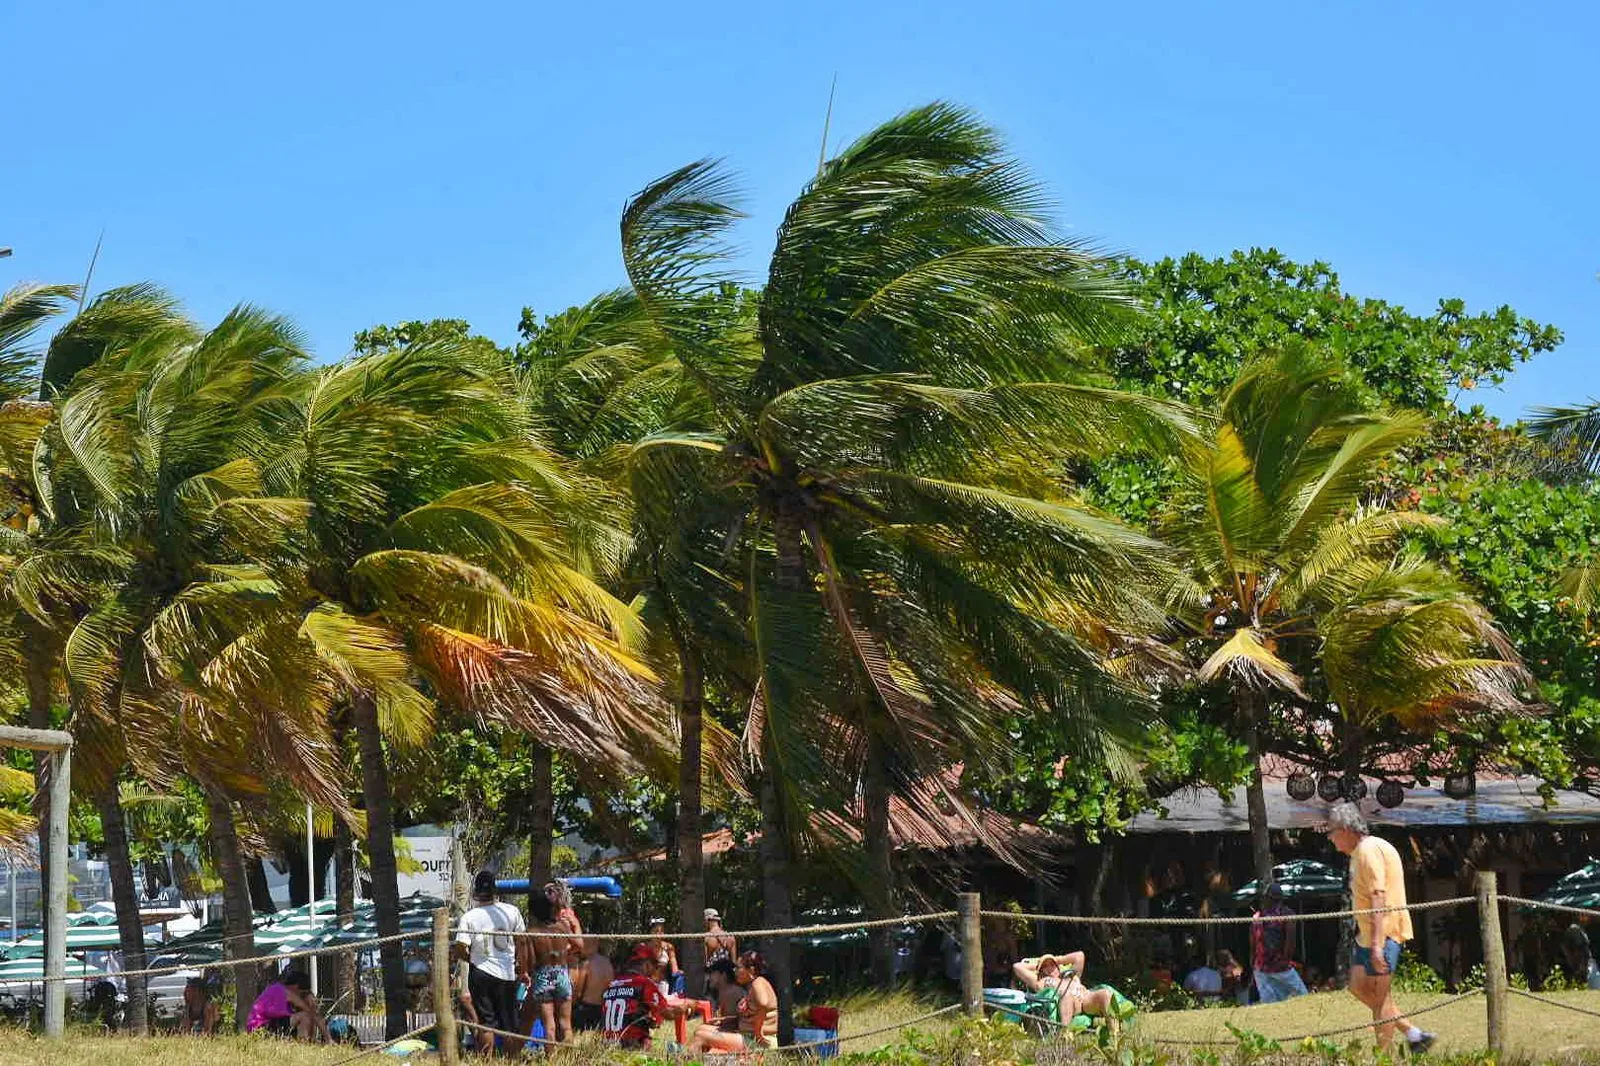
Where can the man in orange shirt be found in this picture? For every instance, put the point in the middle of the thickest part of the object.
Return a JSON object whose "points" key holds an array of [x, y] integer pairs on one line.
{"points": [[1377, 880]]}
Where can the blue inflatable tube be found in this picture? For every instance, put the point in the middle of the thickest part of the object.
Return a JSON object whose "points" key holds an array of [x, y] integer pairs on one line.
{"points": [[609, 887]]}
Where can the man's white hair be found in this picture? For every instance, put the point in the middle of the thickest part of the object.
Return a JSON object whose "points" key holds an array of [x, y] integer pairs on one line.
{"points": [[1347, 816]]}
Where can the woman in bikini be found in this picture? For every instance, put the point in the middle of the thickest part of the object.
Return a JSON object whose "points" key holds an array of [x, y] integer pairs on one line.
{"points": [[757, 1011], [1064, 975], [550, 986]]}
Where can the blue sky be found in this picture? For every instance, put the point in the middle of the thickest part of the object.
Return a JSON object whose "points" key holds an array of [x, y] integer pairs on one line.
{"points": [[352, 163]]}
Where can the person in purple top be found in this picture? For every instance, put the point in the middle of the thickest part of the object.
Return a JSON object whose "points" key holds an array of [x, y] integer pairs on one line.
{"points": [[287, 1008]]}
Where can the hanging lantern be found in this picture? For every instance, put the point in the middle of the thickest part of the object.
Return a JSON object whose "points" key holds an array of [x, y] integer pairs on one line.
{"points": [[1460, 784], [1390, 794], [1300, 786], [1352, 788], [1328, 787]]}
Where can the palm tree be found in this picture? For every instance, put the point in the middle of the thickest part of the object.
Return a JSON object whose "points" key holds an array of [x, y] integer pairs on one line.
{"points": [[152, 443], [1285, 565], [889, 440], [600, 377], [430, 560], [30, 644]]}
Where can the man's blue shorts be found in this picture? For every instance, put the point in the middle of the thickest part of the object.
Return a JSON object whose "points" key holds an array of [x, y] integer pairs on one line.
{"points": [[1362, 957]]}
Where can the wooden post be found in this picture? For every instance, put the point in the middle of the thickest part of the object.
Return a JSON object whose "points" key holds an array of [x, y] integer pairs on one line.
{"points": [[444, 1000], [1494, 959], [55, 955], [56, 746], [968, 906]]}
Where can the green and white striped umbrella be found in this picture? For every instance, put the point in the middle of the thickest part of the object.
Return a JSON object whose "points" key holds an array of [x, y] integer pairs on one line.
{"points": [[16, 975], [85, 937]]}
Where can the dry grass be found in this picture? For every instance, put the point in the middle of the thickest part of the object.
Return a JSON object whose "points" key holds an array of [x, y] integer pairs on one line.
{"points": [[1538, 1032], [21, 1049], [1535, 1029]]}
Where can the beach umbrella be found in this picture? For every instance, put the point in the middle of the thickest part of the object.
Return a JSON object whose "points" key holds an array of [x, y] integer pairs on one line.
{"points": [[20, 977], [84, 937], [1580, 888], [1300, 879]]}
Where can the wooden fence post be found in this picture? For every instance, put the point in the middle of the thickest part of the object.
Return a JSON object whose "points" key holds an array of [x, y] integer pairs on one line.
{"points": [[444, 1000], [968, 906], [1494, 959]]}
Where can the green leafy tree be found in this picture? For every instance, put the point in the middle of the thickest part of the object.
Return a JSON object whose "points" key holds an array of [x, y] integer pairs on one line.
{"points": [[1208, 317], [1288, 570]]}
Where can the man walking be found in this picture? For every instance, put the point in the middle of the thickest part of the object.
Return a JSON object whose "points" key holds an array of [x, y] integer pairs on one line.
{"points": [[496, 963], [1272, 950], [1377, 881]]}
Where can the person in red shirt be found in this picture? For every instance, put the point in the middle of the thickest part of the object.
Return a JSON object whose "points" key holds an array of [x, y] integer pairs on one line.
{"points": [[633, 1004]]}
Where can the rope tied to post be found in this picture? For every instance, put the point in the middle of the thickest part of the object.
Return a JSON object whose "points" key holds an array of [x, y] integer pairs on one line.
{"points": [[1115, 919]]}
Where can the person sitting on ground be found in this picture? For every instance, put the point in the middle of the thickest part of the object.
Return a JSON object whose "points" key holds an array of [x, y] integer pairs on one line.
{"points": [[550, 987], [726, 993], [589, 995], [1063, 974], [1272, 950], [1203, 982], [633, 1004], [756, 1009], [1234, 986], [1161, 979], [1577, 957], [287, 1008], [200, 1012], [486, 939]]}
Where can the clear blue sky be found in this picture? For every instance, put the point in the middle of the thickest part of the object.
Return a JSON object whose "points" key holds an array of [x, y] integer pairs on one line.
{"points": [[353, 163]]}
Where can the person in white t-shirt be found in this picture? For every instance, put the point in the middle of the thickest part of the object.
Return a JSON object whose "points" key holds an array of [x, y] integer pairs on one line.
{"points": [[497, 960]]}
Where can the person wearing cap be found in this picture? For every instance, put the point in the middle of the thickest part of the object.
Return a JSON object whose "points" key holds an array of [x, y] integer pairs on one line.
{"points": [[486, 938], [757, 1011], [1377, 881], [633, 1004], [1272, 950], [719, 945], [1063, 974]]}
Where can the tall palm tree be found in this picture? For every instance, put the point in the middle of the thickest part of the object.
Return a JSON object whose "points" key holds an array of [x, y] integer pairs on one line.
{"points": [[152, 444], [1285, 567], [30, 643], [889, 440], [430, 560], [600, 377]]}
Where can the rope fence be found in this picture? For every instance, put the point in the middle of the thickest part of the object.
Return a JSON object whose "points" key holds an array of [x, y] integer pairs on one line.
{"points": [[1540, 905], [1313, 916], [968, 920], [1553, 1002]]}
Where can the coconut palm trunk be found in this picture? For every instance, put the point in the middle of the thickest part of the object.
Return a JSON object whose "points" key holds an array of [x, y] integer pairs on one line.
{"points": [[691, 857], [777, 909], [381, 859], [542, 812], [238, 914], [344, 892], [1255, 793], [125, 896], [875, 791]]}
